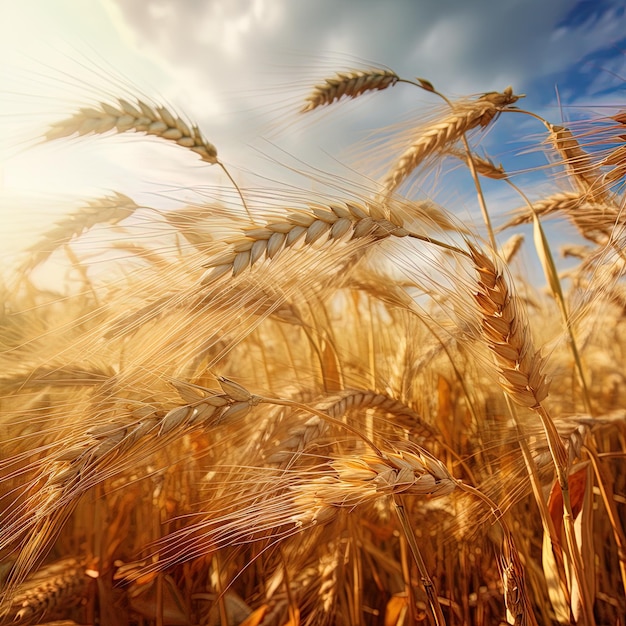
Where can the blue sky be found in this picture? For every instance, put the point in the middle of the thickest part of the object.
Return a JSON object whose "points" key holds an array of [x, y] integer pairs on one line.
{"points": [[240, 68]]}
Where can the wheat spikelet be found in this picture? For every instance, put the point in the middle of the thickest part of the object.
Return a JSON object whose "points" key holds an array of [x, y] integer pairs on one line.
{"points": [[506, 332], [349, 85], [140, 117], [463, 117]]}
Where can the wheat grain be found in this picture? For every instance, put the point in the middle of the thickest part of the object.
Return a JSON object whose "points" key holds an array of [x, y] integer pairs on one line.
{"points": [[349, 85]]}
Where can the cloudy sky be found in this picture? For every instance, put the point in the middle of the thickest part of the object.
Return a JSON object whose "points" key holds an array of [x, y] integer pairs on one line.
{"points": [[240, 68]]}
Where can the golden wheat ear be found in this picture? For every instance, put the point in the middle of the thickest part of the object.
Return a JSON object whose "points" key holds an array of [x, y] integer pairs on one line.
{"points": [[156, 121], [122, 117], [445, 132], [50, 591], [349, 84], [111, 209]]}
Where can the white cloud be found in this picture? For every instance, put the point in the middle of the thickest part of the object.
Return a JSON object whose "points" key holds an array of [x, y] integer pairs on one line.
{"points": [[234, 65]]}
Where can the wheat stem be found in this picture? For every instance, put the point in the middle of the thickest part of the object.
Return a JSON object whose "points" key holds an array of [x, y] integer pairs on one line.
{"points": [[236, 186], [427, 581]]}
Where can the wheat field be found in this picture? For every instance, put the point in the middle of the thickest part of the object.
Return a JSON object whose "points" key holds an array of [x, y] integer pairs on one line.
{"points": [[307, 408]]}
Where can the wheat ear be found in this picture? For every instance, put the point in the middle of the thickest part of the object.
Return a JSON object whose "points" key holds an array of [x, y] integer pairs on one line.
{"points": [[328, 224], [484, 166], [356, 480], [463, 117], [585, 174], [53, 587], [507, 333], [594, 220], [140, 117], [106, 210], [357, 399], [349, 85], [106, 451], [332, 223]]}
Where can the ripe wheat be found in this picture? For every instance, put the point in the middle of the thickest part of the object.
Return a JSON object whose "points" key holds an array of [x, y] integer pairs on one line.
{"points": [[302, 415]]}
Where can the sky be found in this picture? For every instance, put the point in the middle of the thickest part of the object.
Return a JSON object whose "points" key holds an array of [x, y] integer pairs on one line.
{"points": [[240, 68]]}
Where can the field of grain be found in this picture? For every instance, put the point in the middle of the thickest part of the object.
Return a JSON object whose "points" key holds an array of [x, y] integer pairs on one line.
{"points": [[312, 408]]}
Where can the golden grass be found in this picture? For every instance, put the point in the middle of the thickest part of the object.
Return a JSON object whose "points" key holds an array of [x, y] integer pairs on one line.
{"points": [[338, 411]]}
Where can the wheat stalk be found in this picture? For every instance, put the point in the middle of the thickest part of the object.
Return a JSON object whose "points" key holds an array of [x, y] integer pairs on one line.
{"points": [[349, 84], [518, 608]]}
